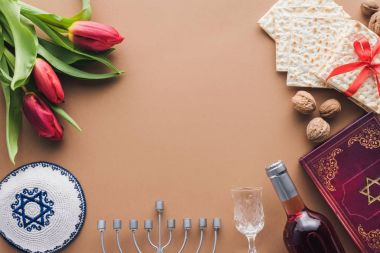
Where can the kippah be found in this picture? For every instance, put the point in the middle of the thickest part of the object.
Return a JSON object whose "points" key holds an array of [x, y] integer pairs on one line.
{"points": [[42, 208]]}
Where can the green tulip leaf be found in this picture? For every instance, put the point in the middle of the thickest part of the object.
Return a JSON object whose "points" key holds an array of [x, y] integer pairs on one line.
{"points": [[66, 43], [86, 12], [2, 46], [61, 53], [51, 19], [70, 70], [59, 111], [5, 77], [65, 55], [7, 38], [56, 21], [58, 29], [6, 30], [10, 59], [25, 42], [13, 105]]}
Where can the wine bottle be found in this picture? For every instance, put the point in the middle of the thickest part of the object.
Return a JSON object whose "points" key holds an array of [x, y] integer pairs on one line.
{"points": [[305, 231]]}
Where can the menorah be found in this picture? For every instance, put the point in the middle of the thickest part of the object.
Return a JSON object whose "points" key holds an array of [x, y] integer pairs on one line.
{"points": [[160, 246]]}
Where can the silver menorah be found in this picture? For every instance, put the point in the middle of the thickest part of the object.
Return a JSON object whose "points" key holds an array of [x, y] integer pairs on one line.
{"points": [[171, 224]]}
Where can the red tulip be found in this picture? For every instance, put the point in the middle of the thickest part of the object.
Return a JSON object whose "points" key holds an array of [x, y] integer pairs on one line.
{"points": [[41, 117], [94, 36], [47, 82]]}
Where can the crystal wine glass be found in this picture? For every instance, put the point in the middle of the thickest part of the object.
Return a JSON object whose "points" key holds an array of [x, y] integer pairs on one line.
{"points": [[248, 213]]}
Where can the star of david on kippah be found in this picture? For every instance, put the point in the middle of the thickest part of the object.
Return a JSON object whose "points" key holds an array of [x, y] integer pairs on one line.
{"points": [[369, 190], [27, 219]]}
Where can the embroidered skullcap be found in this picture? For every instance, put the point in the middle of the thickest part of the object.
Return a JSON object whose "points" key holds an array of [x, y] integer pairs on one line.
{"points": [[42, 208]]}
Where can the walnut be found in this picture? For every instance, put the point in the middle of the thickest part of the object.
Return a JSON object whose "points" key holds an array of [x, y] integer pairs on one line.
{"points": [[330, 108], [369, 7], [374, 23], [304, 102], [318, 130]]}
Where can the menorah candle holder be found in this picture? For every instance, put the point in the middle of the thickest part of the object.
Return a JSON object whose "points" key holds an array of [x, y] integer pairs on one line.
{"points": [[160, 246]]}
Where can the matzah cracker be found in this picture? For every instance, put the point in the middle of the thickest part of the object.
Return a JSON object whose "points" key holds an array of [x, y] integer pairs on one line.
{"points": [[312, 41], [345, 46], [367, 96], [284, 24], [267, 21]]}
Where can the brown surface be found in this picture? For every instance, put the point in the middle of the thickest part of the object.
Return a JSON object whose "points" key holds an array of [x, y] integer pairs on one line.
{"points": [[200, 110]]}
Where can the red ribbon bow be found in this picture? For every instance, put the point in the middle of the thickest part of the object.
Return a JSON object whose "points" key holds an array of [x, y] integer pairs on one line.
{"points": [[366, 56]]}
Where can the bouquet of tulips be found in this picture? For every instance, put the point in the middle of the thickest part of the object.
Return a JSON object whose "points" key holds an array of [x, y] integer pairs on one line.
{"points": [[28, 64]]}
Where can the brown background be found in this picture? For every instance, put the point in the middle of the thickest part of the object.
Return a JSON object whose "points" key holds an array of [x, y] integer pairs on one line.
{"points": [[200, 110]]}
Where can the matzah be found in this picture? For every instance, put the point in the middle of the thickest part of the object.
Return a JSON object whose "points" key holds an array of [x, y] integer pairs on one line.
{"points": [[267, 21], [313, 40], [367, 96], [284, 23]]}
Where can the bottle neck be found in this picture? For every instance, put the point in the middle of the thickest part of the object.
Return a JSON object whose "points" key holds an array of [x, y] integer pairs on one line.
{"points": [[287, 193], [293, 206]]}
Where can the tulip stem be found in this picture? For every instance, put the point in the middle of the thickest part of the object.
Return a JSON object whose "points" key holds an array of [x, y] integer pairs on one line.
{"points": [[24, 89]]}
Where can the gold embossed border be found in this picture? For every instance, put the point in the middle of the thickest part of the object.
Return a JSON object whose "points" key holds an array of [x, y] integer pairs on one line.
{"points": [[372, 238], [327, 168], [369, 138]]}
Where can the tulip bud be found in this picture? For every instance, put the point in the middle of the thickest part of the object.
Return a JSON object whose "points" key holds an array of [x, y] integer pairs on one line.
{"points": [[47, 82], [41, 117], [94, 36]]}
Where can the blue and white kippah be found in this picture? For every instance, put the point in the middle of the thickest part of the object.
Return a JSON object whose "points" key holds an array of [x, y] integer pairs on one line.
{"points": [[42, 208]]}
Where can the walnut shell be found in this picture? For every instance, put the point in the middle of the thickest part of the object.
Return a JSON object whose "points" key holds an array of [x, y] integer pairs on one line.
{"points": [[304, 102], [369, 7], [318, 130], [374, 23], [330, 108]]}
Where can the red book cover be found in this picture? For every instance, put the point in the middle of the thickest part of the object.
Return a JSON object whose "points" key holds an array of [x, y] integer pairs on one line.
{"points": [[346, 171]]}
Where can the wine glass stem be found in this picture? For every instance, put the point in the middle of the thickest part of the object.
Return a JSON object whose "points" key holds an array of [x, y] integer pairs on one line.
{"points": [[251, 244]]}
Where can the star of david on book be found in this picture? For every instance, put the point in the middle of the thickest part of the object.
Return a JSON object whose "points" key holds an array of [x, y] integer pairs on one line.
{"points": [[32, 209], [371, 190]]}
